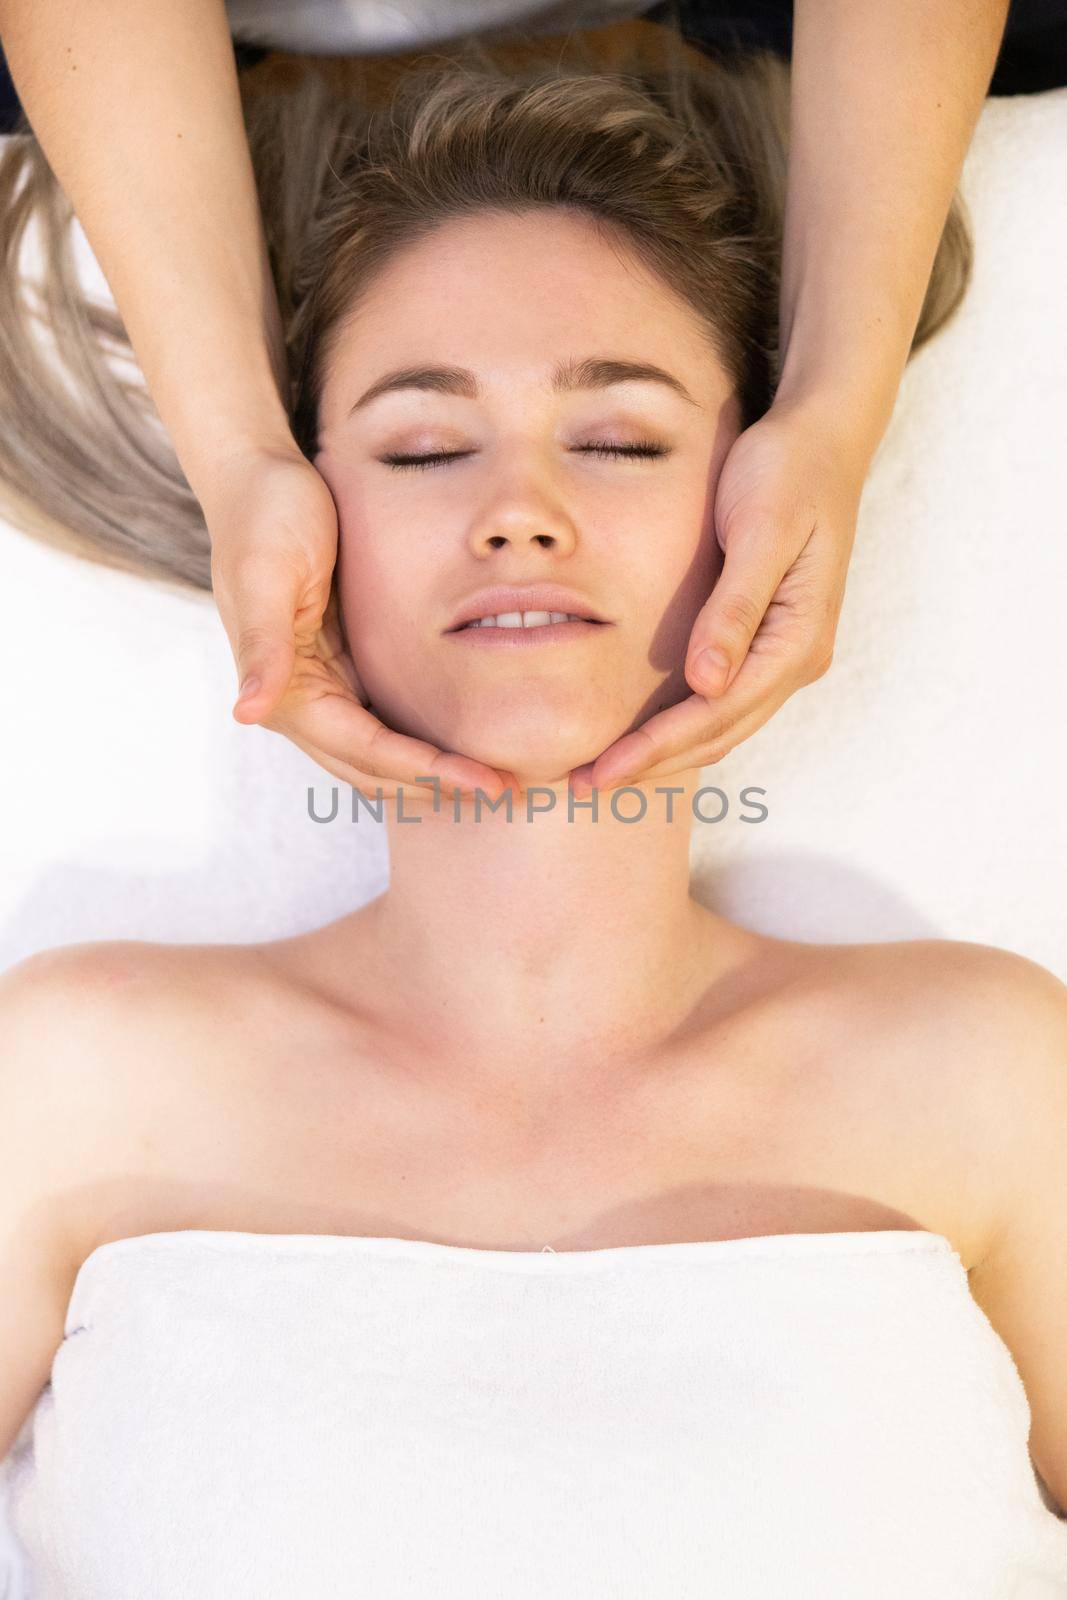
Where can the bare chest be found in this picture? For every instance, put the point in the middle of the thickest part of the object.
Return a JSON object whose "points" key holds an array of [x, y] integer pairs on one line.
{"points": [[714, 1142]]}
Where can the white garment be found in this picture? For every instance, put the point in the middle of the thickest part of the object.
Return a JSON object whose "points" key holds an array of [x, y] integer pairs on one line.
{"points": [[366, 27], [305, 1417]]}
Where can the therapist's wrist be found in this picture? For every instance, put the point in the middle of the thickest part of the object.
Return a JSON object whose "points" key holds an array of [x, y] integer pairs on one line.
{"points": [[220, 392], [852, 382], [830, 411], [208, 448], [238, 455]]}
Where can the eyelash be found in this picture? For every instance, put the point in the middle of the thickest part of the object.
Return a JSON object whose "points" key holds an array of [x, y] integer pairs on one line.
{"points": [[645, 449]]}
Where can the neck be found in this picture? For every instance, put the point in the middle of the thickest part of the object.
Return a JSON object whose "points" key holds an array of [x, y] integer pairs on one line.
{"points": [[524, 947]]}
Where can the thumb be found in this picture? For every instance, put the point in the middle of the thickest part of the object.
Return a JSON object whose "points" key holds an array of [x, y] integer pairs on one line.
{"points": [[724, 629], [262, 621]]}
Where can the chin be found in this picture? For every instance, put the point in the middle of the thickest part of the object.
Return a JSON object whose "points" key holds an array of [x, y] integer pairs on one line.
{"points": [[546, 759], [540, 738]]}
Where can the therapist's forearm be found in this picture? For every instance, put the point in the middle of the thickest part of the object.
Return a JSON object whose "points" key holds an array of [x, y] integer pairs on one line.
{"points": [[136, 106], [885, 97]]}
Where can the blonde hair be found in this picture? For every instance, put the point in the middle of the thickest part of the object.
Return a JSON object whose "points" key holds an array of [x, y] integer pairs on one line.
{"points": [[681, 153]]}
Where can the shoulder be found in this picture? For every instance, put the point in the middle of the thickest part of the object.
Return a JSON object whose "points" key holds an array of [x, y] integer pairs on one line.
{"points": [[79, 1011], [64, 1035], [82, 1000], [1016, 1013], [954, 1051], [935, 1001], [981, 1014], [71, 1022], [994, 1025], [81, 974], [91, 1038], [985, 1027], [899, 978], [58, 1009], [1006, 1016]]}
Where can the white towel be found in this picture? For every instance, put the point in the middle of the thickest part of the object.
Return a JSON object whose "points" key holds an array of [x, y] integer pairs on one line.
{"points": [[277, 1417]]}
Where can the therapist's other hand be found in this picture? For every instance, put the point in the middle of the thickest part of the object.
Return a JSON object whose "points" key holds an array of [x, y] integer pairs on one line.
{"points": [[273, 527], [785, 515]]}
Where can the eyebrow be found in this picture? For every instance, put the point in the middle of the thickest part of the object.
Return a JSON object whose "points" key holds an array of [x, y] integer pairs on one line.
{"points": [[591, 373]]}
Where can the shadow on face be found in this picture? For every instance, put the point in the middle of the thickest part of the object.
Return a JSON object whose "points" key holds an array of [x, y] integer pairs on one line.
{"points": [[480, 427]]}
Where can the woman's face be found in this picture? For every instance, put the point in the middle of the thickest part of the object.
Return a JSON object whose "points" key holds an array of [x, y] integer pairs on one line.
{"points": [[505, 302]]}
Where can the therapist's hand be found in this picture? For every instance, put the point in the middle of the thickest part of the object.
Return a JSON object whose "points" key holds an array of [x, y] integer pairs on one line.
{"points": [[273, 527], [785, 514]]}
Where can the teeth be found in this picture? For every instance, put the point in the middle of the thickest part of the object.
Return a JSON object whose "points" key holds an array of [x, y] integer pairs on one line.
{"points": [[524, 619]]}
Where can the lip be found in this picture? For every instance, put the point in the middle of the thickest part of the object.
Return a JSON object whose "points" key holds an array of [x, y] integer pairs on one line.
{"points": [[496, 601], [526, 638]]}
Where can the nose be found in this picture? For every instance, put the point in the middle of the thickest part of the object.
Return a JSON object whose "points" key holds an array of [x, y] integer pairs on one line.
{"points": [[520, 520]]}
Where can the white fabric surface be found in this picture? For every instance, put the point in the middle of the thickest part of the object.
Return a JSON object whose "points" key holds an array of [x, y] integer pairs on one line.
{"points": [[788, 1418], [915, 790]]}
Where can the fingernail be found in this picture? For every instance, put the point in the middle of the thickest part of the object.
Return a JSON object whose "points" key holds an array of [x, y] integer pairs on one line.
{"points": [[711, 669], [249, 687]]}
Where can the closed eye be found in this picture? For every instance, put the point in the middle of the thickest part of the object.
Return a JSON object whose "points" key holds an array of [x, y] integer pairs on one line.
{"points": [[645, 450]]}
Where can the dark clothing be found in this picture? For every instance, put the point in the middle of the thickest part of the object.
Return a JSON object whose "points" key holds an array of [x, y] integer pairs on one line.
{"points": [[1033, 52]]}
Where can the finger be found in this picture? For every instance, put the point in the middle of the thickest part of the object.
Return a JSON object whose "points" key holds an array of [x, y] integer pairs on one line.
{"points": [[754, 698], [723, 631], [384, 788], [373, 786], [580, 780], [773, 670], [682, 732], [258, 601], [719, 748], [370, 784], [343, 770], [678, 728], [353, 736]]}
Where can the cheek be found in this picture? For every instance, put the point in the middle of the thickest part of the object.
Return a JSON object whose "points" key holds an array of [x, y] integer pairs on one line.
{"points": [[705, 552], [377, 575], [680, 564], [375, 600]]}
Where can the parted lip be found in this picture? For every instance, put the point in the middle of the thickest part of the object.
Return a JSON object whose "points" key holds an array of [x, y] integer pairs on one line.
{"points": [[530, 597]]}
